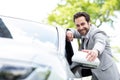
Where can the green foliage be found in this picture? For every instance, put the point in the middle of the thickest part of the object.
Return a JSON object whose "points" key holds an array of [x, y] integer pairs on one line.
{"points": [[99, 10], [116, 49]]}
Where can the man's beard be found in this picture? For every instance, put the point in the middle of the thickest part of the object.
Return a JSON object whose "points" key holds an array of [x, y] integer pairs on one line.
{"points": [[83, 32]]}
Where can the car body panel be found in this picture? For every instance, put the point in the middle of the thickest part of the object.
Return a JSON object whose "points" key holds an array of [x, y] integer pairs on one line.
{"points": [[35, 44]]}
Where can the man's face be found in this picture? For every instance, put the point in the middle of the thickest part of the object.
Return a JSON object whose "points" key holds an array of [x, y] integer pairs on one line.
{"points": [[82, 25]]}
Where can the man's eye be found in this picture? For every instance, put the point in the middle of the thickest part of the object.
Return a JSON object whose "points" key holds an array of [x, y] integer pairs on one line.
{"points": [[82, 24], [78, 25]]}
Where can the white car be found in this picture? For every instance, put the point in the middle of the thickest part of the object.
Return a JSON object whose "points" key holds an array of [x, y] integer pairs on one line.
{"points": [[32, 51]]}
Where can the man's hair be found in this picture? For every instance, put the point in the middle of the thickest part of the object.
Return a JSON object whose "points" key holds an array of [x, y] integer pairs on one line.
{"points": [[79, 14]]}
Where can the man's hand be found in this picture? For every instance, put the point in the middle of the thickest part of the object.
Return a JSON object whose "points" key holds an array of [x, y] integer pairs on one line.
{"points": [[69, 35], [92, 54]]}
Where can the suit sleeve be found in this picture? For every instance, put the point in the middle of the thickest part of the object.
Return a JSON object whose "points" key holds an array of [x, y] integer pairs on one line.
{"points": [[100, 39], [75, 33]]}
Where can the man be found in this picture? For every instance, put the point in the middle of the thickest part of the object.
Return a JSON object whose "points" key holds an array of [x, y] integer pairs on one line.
{"points": [[96, 44]]}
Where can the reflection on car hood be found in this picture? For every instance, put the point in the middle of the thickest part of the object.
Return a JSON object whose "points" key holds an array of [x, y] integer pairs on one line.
{"points": [[12, 49], [32, 53]]}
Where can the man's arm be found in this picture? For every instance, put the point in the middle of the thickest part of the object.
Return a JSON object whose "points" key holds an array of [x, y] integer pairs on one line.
{"points": [[100, 42], [75, 33], [99, 39]]}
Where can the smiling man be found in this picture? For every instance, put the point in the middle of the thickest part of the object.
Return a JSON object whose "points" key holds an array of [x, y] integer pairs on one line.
{"points": [[96, 43]]}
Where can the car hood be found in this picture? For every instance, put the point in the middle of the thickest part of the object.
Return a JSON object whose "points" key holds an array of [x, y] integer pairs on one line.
{"points": [[12, 49], [32, 53]]}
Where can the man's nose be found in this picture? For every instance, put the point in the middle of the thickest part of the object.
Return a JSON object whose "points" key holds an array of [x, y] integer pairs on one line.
{"points": [[80, 28]]}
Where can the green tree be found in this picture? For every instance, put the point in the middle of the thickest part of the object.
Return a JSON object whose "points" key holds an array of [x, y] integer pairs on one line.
{"points": [[99, 10]]}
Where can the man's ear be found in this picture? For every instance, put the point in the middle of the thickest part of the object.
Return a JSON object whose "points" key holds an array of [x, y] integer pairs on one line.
{"points": [[89, 24]]}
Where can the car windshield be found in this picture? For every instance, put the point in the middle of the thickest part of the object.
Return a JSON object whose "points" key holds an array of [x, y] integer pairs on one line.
{"points": [[25, 30]]}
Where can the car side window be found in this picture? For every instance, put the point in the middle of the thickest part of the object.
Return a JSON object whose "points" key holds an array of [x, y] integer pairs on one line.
{"points": [[29, 31], [4, 32], [69, 52], [71, 48]]}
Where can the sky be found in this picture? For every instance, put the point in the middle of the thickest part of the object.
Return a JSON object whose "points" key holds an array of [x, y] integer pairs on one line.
{"points": [[35, 10], [114, 33]]}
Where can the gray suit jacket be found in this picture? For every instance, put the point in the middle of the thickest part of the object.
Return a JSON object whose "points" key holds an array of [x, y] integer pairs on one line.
{"points": [[98, 40]]}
